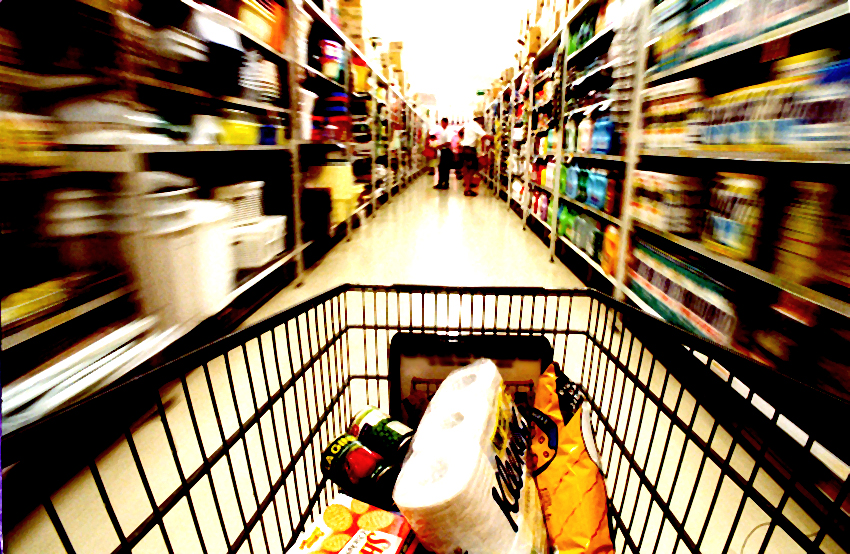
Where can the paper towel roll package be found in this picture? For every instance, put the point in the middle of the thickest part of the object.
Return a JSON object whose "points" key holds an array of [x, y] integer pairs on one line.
{"points": [[464, 486]]}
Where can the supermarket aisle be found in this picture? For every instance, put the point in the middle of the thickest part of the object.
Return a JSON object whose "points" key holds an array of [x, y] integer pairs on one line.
{"points": [[430, 237]]}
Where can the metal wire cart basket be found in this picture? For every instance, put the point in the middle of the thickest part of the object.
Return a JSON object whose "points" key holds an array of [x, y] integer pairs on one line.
{"points": [[701, 449]]}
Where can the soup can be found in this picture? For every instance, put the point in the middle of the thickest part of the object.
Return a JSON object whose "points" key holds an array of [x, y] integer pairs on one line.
{"points": [[359, 471], [381, 433]]}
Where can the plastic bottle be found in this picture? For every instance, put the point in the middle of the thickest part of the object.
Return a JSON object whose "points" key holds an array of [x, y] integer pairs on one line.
{"points": [[571, 136], [585, 134], [610, 246], [563, 214], [571, 186], [602, 141], [583, 175], [543, 206], [597, 185]]}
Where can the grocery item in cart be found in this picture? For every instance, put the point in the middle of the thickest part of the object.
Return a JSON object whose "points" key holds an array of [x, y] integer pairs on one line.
{"points": [[349, 525], [359, 471], [572, 491], [384, 435], [464, 486]]}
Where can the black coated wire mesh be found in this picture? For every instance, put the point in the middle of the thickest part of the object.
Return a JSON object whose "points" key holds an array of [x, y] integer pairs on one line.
{"points": [[702, 450]]}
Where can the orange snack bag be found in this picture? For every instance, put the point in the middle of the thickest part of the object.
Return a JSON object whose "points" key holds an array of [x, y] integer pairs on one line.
{"points": [[572, 490]]}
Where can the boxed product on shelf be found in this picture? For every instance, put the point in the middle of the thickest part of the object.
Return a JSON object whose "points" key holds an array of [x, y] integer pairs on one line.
{"points": [[670, 22], [682, 294], [257, 242], [805, 243], [717, 24], [673, 114], [734, 215], [670, 203]]}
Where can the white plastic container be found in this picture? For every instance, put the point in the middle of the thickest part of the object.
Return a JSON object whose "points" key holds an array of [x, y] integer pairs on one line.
{"points": [[306, 102], [168, 270], [245, 199], [215, 270], [256, 243]]}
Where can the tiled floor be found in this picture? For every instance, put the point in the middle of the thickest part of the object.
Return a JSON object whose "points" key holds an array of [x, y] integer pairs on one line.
{"points": [[433, 237]]}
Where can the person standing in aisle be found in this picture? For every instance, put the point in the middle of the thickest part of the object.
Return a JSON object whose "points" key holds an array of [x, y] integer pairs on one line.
{"points": [[444, 146], [473, 133]]}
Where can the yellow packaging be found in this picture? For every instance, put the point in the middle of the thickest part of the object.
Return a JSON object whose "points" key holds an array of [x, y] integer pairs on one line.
{"points": [[572, 491]]}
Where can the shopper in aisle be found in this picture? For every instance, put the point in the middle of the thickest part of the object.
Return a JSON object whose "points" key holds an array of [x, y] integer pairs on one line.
{"points": [[473, 133], [444, 146]]}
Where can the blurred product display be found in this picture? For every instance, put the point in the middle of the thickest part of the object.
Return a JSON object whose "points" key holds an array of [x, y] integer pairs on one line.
{"points": [[171, 145], [701, 183]]}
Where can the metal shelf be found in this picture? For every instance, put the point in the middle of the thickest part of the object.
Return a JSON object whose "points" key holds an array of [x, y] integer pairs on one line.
{"points": [[592, 74], [315, 73], [580, 10], [586, 108], [590, 44], [543, 78], [537, 217], [551, 44], [768, 154], [590, 261], [174, 87], [590, 209], [638, 301], [589, 156], [805, 293], [784, 31], [39, 82], [62, 317], [154, 149]]}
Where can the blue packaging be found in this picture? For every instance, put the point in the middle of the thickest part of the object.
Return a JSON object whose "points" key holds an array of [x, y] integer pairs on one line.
{"points": [[572, 188], [602, 140]]}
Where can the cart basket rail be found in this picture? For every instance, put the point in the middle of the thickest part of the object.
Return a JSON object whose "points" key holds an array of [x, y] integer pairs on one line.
{"points": [[218, 451]]}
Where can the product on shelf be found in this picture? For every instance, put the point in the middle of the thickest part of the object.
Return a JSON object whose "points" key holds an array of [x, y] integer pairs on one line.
{"points": [[603, 138], [585, 135], [683, 31], [673, 114], [804, 235], [733, 218], [682, 294], [610, 249], [670, 203]]}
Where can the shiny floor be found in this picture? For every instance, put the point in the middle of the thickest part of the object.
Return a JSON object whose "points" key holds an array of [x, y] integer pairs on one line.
{"points": [[433, 237]]}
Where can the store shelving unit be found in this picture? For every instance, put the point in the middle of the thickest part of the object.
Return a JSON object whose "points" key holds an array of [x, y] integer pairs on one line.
{"points": [[771, 160], [283, 161], [555, 46]]}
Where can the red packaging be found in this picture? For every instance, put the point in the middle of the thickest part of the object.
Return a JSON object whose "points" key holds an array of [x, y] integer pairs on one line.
{"points": [[350, 526]]}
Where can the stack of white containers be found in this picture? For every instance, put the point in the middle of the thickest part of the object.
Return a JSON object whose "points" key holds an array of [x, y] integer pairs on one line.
{"points": [[178, 247], [256, 238]]}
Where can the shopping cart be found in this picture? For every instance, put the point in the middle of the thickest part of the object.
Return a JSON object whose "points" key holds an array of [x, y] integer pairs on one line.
{"points": [[701, 449]]}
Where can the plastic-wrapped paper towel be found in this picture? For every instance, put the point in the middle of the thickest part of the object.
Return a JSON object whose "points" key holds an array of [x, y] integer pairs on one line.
{"points": [[464, 486]]}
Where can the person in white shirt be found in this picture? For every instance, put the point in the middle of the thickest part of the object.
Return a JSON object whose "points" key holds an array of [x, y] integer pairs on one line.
{"points": [[443, 144], [473, 133]]}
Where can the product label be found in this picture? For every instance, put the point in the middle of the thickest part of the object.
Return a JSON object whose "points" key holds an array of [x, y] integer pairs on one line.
{"points": [[371, 542], [510, 470]]}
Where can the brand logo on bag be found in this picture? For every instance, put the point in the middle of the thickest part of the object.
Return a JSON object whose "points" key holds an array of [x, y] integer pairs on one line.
{"points": [[371, 542], [509, 471]]}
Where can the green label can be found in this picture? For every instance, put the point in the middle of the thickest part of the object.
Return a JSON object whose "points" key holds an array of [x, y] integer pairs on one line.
{"points": [[378, 431], [359, 471]]}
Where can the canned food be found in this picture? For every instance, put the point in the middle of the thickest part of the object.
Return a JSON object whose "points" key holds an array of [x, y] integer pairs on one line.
{"points": [[381, 433], [359, 471]]}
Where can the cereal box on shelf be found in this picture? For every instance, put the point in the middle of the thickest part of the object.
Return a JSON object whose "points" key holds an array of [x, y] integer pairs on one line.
{"points": [[349, 526]]}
